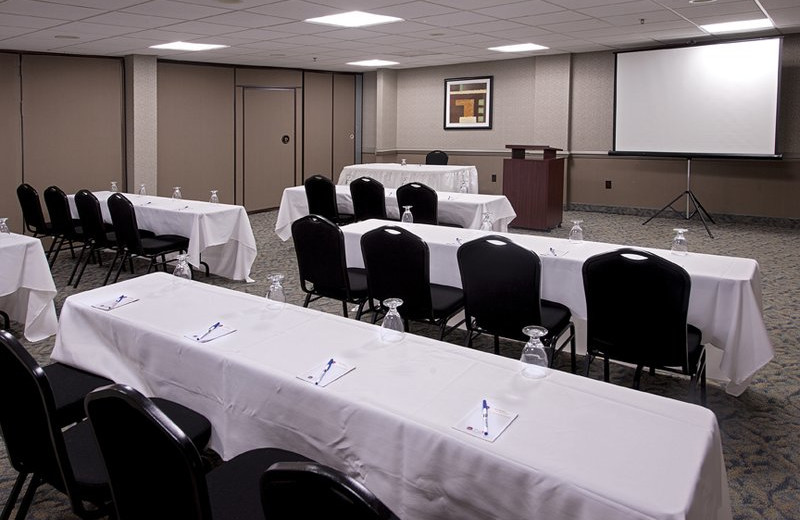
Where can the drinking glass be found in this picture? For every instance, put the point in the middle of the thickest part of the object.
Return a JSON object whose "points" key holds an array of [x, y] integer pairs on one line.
{"points": [[402, 162], [463, 186], [534, 356], [680, 246], [392, 329], [276, 299], [407, 216], [4, 231], [114, 187], [182, 269], [486, 222], [576, 233], [142, 190], [214, 198], [176, 192]]}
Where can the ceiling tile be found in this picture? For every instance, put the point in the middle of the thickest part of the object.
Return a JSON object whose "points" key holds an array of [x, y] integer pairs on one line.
{"points": [[246, 19], [519, 9], [46, 10], [131, 20], [28, 22], [627, 8], [10, 32], [551, 18], [413, 10], [171, 9], [295, 9], [197, 27], [456, 19]]}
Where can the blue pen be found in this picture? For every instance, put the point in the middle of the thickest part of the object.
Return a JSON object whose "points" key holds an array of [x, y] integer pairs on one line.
{"points": [[553, 251], [485, 413], [210, 330], [330, 364], [116, 302]]}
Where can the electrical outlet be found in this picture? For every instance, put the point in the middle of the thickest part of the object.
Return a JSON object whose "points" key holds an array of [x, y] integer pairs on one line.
{"points": [[494, 177], [608, 185]]}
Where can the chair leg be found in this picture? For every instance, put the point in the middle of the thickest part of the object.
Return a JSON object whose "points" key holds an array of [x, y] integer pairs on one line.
{"points": [[587, 362], [52, 254], [78, 263], [307, 300], [637, 376], [27, 498], [152, 263], [111, 266], [12, 497], [125, 256], [205, 265], [83, 267], [360, 310], [606, 368], [573, 358], [496, 344]]}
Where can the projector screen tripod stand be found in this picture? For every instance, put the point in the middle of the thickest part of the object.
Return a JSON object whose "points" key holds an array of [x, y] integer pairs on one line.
{"points": [[691, 200]]}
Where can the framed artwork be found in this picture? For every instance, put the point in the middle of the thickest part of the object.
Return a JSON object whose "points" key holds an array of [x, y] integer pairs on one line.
{"points": [[468, 103]]}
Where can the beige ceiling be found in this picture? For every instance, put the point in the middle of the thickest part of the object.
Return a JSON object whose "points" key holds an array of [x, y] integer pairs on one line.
{"points": [[436, 32]]}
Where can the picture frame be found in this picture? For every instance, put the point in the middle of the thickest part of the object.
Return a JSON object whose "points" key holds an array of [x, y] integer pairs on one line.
{"points": [[468, 103]]}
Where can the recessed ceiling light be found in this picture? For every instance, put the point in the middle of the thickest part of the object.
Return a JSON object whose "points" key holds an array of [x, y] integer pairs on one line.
{"points": [[520, 47], [740, 26], [354, 19], [696, 2], [66, 37], [373, 63], [186, 46]]}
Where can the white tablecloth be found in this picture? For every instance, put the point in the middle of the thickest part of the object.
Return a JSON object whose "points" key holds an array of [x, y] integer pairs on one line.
{"points": [[393, 175], [221, 232], [580, 449], [26, 286], [725, 301], [464, 209]]}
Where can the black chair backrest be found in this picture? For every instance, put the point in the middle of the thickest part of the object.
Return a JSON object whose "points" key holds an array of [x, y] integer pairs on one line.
{"points": [[91, 216], [319, 492], [123, 217], [369, 198], [398, 267], [637, 305], [501, 283], [58, 207], [154, 469], [424, 200], [436, 157], [319, 244], [321, 197], [33, 442], [31, 209]]}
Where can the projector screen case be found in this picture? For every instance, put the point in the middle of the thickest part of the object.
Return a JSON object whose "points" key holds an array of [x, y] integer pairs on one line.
{"points": [[712, 100]]}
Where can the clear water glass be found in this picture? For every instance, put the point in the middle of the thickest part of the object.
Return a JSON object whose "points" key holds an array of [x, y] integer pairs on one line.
{"points": [[392, 329], [576, 232], [407, 216], [402, 162], [114, 187], [680, 246], [214, 198], [276, 298], [486, 222], [182, 269], [534, 356], [176, 192], [4, 231], [142, 190]]}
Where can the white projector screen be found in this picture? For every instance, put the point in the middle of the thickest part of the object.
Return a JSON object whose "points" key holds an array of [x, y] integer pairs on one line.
{"points": [[718, 99]]}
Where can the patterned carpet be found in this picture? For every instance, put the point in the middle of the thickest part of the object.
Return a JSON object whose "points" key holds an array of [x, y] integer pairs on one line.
{"points": [[760, 429]]}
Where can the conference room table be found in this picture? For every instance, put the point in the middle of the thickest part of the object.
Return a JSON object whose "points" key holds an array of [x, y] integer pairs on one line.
{"points": [[27, 289], [399, 416], [463, 209], [440, 177], [725, 302], [220, 232]]}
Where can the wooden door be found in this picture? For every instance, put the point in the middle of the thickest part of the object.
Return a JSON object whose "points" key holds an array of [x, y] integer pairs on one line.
{"points": [[268, 146], [344, 122]]}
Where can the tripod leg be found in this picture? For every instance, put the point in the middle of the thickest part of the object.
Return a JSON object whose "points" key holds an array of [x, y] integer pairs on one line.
{"points": [[701, 208], [700, 213], [668, 205]]}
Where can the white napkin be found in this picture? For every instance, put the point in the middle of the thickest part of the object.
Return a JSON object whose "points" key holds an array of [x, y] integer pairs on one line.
{"points": [[319, 376], [119, 301], [473, 423], [211, 333]]}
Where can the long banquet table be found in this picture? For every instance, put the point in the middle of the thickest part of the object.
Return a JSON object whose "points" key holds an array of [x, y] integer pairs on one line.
{"points": [[725, 300], [463, 209], [579, 448], [221, 232], [27, 289], [437, 176]]}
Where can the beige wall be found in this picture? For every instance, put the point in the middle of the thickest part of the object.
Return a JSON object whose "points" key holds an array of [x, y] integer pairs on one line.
{"points": [[10, 141], [567, 101]]}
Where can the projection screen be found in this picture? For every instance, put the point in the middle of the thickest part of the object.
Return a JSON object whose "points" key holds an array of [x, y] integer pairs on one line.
{"points": [[704, 100]]}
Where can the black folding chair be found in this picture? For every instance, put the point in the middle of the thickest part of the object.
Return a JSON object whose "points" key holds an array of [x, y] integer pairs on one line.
{"points": [[369, 199], [436, 157], [423, 200], [321, 197], [32, 212], [637, 305], [501, 283]]}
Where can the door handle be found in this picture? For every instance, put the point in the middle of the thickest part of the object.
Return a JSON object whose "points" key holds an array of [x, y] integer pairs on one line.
{"points": [[285, 139]]}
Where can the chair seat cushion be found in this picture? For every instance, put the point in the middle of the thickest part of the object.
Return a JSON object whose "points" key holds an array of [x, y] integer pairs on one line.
{"points": [[87, 462], [446, 300], [70, 386], [358, 281], [555, 318], [164, 244], [233, 487]]}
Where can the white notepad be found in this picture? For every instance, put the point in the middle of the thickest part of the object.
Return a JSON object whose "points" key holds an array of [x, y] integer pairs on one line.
{"points": [[206, 335], [319, 376], [116, 303], [473, 423]]}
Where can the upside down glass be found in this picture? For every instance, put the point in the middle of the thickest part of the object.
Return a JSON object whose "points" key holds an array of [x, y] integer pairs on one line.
{"points": [[486, 222], [182, 269], [214, 197], [576, 232], [142, 190], [680, 246], [4, 231], [114, 187], [176, 192], [276, 299], [407, 216], [392, 329], [534, 356]]}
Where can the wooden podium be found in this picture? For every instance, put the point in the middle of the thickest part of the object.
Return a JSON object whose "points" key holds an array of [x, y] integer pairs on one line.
{"points": [[534, 187]]}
